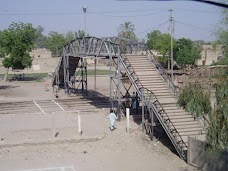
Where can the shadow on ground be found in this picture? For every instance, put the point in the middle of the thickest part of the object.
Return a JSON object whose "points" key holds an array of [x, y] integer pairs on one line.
{"points": [[7, 87], [27, 79], [94, 98]]}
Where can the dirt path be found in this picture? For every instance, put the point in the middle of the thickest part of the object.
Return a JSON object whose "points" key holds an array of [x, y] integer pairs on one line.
{"points": [[27, 144]]}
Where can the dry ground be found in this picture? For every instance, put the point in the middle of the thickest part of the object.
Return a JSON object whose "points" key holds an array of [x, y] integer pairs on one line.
{"points": [[28, 142]]}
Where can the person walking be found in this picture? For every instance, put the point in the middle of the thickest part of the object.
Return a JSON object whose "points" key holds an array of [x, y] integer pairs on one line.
{"points": [[112, 118]]}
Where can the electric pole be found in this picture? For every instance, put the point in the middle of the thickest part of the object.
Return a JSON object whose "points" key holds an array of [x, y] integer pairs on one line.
{"points": [[84, 8], [171, 35]]}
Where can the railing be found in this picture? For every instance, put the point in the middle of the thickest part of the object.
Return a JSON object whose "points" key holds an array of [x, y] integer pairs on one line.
{"points": [[56, 73], [153, 103], [172, 87], [204, 120]]}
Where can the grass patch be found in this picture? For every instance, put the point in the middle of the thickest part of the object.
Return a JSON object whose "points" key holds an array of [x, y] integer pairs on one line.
{"points": [[39, 76], [98, 72], [28, 77]]}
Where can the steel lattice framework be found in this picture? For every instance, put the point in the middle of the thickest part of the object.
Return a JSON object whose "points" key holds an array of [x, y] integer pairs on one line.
{"points": [[122, 73], [109, 47], [91, 46]]}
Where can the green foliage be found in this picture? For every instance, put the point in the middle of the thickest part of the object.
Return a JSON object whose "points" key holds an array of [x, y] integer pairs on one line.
{"points": [[7, 62], [194, 100], [186, 52], [41, 39], [17, 41], [69, 36], [126, 30], [159, 41], [222, 35], [221, 91], [217, 136], [81, 34], [1, 48], [55, 43], [163, 61]]}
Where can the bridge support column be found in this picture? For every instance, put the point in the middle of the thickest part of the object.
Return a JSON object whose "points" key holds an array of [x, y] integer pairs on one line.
{"points": [[152, 125], [66, 72], [118, 89], [110, 81], [143, 112]]}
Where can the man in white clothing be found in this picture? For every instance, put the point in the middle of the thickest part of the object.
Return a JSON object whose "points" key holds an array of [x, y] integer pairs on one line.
{"points": [[112, 118]]}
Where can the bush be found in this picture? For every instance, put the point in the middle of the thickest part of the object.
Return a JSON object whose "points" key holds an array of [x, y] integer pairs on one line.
{"points": [[217, 136], [194, 100]]}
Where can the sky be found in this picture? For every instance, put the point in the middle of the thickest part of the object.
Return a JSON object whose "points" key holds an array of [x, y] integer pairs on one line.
{"points": [[193, 20]]}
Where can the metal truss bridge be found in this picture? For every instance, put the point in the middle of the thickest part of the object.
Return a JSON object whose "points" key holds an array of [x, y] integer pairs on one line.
{"points": [[132, 66]]}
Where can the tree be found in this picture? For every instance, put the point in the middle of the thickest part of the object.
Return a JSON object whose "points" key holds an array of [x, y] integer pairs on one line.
{"points": [[17, 41], [69, 36], [1, 48], [186, 52], [81, 34], [126, 30], [217, 135], [41, 39], [222, 34], [55, 43], [160, 42], [194, 100], [152, 38]]}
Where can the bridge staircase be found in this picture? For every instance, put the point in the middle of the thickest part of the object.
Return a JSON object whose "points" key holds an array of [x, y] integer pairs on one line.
{"points": [[58, 78], [157, 94]]}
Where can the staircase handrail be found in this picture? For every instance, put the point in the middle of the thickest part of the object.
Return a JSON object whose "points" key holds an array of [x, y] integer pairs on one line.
{"points": [[164, 118], [56, 71], [157, 108], [174, 89]]}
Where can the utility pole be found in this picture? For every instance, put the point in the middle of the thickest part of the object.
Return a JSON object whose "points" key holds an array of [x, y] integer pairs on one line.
{"points": [[84, 8], [171, 35]]}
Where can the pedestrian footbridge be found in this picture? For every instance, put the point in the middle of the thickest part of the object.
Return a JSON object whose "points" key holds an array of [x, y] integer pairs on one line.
{"points": [[132, 61]]}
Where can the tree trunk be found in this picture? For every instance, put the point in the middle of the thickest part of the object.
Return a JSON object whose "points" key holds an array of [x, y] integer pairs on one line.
{"points": [[6, 75]]}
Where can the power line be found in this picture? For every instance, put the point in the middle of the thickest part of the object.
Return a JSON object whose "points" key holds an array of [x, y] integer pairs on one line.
{"points": [[157, 26], [189, 25], [5, 12], [141, 15], [126, 11], [22, 14], [195, 11], [78, 13]]}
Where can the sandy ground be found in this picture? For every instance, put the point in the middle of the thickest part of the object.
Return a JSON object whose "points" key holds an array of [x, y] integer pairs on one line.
{"points": [[45, 142]]}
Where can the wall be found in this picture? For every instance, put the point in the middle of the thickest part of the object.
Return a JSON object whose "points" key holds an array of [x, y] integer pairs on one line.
{"points": [[209, 55], [199, 157], [45, 65], [41, 53]]}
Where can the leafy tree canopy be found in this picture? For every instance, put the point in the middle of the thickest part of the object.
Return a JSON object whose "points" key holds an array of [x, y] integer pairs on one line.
{"points": [[194, 100], [217, 136], [186, 52], [69, 36], [126, 30], [41, 39], [1, 48], [17, 41], [159, 41], [55, 43], [81, 34], [222, 34]]}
